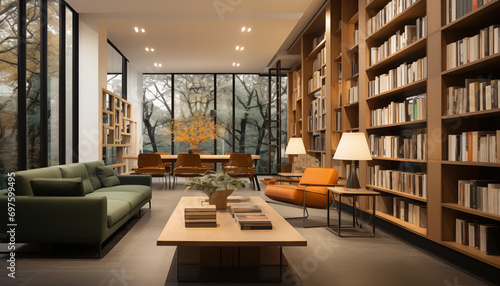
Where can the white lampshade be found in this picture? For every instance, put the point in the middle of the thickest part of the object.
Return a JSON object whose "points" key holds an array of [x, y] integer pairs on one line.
{"points": [[295, 147], [352, 146]]}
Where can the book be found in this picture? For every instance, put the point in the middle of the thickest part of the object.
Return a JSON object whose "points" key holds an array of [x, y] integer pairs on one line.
{"points": [[200, 223], [204, 208], [489, 237], [244, 209]]}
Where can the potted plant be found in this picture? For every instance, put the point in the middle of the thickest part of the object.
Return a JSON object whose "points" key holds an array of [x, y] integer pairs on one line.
{"points": [[217, 186]]}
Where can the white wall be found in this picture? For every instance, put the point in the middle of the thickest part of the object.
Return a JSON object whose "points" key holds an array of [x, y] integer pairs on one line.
{"points": [[89, 92]]}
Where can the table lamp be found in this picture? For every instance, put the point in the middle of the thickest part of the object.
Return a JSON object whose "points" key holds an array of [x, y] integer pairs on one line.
{"points": [[295, 147], [352, 146]]}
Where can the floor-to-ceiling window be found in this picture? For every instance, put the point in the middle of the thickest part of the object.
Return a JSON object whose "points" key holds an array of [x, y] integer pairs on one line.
{"points": [[238, 101], [34, 87]]}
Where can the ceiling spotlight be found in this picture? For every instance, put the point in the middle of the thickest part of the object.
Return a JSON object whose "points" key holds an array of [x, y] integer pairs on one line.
{"points": [[234, 64], [156, 64], [249, 29], [243, 29], [159, 65], [238, 64], [152, 49], [147, 49], [142, 30], [237, 48], [241, 49], [136, 30]]}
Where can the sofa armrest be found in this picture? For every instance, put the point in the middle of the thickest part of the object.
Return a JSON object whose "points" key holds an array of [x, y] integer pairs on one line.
{"points": [[4, 192], [56, 219], [145, 180]]}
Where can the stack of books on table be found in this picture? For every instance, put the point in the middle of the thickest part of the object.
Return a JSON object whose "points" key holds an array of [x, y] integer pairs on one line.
{"points": [[250, 217], [200, 216]]}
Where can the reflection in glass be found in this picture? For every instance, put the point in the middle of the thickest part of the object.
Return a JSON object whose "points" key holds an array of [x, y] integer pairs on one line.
{"points": [[157, 112], [225, 112], [8, 89], [53, 80], [115, 83], [69, 85]]}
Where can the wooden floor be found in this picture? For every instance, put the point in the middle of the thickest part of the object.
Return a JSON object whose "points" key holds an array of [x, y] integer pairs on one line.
{"points": [[132, 257]]}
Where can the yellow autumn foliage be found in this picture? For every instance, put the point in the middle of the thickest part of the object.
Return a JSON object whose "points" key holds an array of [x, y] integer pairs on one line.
{"points": [[196, 129]]}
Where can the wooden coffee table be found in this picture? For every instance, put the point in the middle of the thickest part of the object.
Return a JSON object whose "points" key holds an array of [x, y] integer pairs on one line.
{"points": [[206, 254]]}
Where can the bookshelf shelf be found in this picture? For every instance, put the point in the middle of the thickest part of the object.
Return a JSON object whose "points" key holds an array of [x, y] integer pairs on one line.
{"points": [[416, 10], [471, 211], [375, 5], [467, 163], [477, 114], [399, 160], [484, 65], [399, 56], [353, 19], [484, 15], [354, 77], [353, 129], [316, 151], [316, 50], [351, 105], [354, 49], [403, 224], [402, 91], [477, 254], [401, 194], [410, 124], [338, 59]]}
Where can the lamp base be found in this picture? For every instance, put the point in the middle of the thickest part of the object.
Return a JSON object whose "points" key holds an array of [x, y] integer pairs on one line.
{"points": [[352, 180]]}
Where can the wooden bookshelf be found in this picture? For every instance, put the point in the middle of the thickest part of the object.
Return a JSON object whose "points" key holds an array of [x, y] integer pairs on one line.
{"points": [[396, 193], [401, 223]]}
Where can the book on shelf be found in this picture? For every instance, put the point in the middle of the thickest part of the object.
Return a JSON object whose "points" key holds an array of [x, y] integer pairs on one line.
{"points": [[412, 145], [317, 116], [244, 209], [400, 40], [317, 40], [410, 211], [406, 182], [339, 72], [474, 146], [354, 67], [413, 108], [386, 14], [458, 8], [473, 48], [320, 60], [402, 75], [355, 36], [314, 82], [338, 121], [353, 93], [479, 235], [318, 141], [482, 195], [476, 95]]}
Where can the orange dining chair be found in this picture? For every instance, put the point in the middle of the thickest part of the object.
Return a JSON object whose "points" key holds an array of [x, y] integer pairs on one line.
{"points": [[151, 164], [206, 166], [189, 165], [168, 166], [241, 165], [311, 190]]}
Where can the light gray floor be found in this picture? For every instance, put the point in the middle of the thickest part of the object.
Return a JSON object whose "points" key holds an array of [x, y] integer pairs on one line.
{"points": [[132, 257]]}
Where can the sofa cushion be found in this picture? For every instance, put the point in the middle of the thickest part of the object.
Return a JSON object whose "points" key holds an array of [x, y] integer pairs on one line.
{"points": [[107, 176], [133, 199], [91, 172], [57, 187], [144, 191], [77, 170], [117, 209], [23, 178]]}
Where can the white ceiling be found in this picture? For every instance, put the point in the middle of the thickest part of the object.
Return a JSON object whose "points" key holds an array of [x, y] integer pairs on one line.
{"points": [[197, 36]]}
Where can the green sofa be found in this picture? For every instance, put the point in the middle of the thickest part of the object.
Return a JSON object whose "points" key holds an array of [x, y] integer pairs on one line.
{"points": [[69, 204]]}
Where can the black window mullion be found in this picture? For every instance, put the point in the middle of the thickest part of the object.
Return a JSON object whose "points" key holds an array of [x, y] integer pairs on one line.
{"points": [[22, 156], [43, 86], [75, 95], [173, 112], [234, 112], [124, 78], [215, 112], [62, 82]]}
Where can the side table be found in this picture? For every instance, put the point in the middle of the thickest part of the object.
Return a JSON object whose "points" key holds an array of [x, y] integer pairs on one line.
{"points": [[354, 193]]}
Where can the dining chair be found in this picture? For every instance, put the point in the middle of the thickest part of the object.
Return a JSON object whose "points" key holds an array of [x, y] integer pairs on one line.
{"points": [[311, 190], [168, 166], [240, 165], [151, 164], [188, 165], [206, 166]]}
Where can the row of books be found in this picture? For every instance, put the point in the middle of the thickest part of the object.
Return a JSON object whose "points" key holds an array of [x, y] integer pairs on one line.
{"points": [[391, 10], [318, 141], [477, 95], [317, 113], [474, 146], [399, 41], [405, 209], [412, 146], [314, 82], [317, 40], [250, 217], [297, 91], [355, 36], [458, 8], [200, 216], [470, 49], [338, 121], [354, 67], [353, 94], [413, 108], [320, 60], [480, 235], [406, 182], [400, 76], [482, 195]]}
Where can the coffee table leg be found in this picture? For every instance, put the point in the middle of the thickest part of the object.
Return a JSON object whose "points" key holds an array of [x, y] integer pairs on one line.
{"points": [[340, 213], [374, 217]]}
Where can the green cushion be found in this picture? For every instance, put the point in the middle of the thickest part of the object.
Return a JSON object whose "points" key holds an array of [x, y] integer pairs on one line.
{"points": [[57, 187], [144, 191], [77, 170], [133, 199], [91, 171], [107, 176], [116, 210], [23, 178]]}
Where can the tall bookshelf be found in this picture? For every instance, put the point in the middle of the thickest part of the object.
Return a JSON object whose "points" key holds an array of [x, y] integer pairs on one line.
{"points": [[425, 94]]}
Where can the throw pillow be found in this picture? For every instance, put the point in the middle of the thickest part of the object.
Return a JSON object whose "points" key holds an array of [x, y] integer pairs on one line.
{"points": [[107, 176], [77, 170], [57, 187]]}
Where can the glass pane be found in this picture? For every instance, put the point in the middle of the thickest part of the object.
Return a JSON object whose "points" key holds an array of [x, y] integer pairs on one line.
{"points": [[8, 89], [69, 85], [193, 96], [33, 82], [157, 112], [284, 118], [225, 112], [115, 83], [53, 80], [251, 97], [114, 70]]}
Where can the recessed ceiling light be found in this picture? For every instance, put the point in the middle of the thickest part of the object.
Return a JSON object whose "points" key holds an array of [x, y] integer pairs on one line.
{"points": [[249, 29], [159, 65], [238, 48], [156, 64], [136, 30], [142, 30], [238, 64], [152, 49], [147, 49], [243, 29], [234, 64]]}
